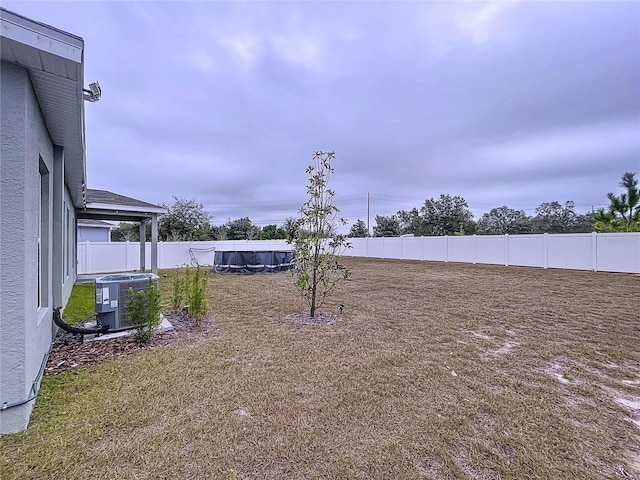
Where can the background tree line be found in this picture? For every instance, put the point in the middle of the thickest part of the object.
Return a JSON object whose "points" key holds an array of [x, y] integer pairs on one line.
{"points": [[187, 220], [449, 215]]}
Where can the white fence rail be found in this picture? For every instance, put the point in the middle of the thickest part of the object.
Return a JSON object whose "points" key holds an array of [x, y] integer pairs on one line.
{"points": [[607, 252]]}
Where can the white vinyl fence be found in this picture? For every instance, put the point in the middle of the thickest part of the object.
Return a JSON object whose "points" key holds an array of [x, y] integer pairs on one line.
{"points": [[606, 252], [103, 257]]}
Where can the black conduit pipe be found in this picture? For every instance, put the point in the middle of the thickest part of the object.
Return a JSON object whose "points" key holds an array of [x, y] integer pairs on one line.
{"points": [[35, 386], [57, 318]]}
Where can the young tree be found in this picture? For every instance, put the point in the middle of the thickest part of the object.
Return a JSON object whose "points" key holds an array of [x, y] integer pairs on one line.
{"points": [[186, 220], [623, 214], [358, 230], [317, 256]]}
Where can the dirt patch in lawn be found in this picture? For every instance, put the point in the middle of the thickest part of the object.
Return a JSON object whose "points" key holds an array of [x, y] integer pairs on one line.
{"points": [[70, 352]]}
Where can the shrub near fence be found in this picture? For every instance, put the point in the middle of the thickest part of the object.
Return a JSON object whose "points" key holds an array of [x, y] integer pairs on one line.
{"points": [[606, 252]]}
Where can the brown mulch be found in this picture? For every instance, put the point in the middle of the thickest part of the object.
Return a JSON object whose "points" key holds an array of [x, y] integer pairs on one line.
{"points": [[320, 318], [69, 352]]}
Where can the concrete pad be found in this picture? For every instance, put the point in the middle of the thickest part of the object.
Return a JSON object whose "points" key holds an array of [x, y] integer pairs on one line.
{"points": [[164, 326]]}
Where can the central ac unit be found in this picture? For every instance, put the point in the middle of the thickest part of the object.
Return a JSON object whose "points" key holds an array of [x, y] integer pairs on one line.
{"points": [[112, 293]]}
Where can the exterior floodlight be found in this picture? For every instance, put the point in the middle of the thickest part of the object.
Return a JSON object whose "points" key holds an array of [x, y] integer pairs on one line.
{"points": [[93, 94]]}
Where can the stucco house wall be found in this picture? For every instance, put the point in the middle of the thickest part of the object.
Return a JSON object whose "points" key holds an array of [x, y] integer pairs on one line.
{"points": [[26, 202], [42, 181], [42, 194]]}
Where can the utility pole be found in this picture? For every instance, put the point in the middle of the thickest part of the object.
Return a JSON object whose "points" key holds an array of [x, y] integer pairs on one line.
{"points": [[368, 211]]}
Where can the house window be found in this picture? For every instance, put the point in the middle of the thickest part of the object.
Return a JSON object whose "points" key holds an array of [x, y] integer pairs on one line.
{"points": [[43, 238]]}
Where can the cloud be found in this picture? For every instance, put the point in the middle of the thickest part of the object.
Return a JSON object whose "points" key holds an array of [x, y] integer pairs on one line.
{"points": [[201, 60], [299, 49], [481, 23], [575, 145], [514, 103], [245, 49]]}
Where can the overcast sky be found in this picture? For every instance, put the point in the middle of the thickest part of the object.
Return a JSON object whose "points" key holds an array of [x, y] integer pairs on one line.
{"points": [[502, 103]]}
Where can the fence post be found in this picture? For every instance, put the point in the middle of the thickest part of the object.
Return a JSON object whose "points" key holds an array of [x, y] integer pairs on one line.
{"points": [[446, 249], [87, 246], [475, 249], [545, 250], [126, 258], [594, 251], [506, 249]]}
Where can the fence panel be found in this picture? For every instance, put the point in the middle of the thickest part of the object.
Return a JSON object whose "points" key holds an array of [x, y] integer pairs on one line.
{"points": [[491, 249], [412, 248], [526, 250], [177, 254], [618, 252], [461, 249], [435, 249], [392, 249], [109, 257], [570, 251], [375, 248], [81, 252], [359, 247]]}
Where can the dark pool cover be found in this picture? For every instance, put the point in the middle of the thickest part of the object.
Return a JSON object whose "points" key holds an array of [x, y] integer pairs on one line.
{"points": [[252, 262]]}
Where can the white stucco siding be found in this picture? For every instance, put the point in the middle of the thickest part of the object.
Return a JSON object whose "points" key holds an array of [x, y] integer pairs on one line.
{"points": [[25, 328], [13, 172]]}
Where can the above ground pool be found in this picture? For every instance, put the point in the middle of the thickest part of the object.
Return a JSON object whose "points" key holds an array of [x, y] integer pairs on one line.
{"points": [[248, 262]]}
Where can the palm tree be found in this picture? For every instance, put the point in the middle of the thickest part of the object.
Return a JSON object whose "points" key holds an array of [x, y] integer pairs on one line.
{"points": [[624, 210]]}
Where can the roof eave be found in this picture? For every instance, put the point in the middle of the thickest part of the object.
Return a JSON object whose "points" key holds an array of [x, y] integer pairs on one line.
{"points": [[126, 208], [59, 55]]}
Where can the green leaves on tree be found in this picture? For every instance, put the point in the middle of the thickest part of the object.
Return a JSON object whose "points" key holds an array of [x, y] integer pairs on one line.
{"points": [[317, 245]]}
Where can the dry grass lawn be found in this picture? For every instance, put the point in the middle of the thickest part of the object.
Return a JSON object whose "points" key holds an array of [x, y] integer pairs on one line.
{"points": [[436, 371]]}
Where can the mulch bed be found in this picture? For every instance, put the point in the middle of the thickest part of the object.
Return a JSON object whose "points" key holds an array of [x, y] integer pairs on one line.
{"points": [[320, 318], [69, 352]]}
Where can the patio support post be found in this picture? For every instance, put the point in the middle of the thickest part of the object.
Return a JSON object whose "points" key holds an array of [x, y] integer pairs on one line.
{"points": [[154, 244], [143, 234]]}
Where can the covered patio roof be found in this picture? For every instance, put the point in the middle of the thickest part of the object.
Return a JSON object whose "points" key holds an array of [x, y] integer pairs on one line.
{"points": [[105, 205]]}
